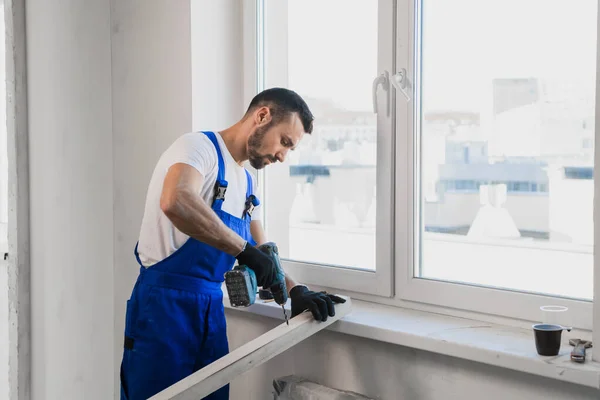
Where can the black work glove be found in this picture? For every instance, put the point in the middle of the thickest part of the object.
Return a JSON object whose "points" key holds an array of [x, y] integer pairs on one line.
{"points": [[262, 265], [320, 304]]}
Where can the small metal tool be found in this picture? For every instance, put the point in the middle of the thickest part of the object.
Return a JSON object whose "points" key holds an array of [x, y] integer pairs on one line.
{"points": [[578, 353]]}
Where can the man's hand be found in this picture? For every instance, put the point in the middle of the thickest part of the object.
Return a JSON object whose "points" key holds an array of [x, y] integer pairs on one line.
{"points": [[320, 304], [262, 265]]}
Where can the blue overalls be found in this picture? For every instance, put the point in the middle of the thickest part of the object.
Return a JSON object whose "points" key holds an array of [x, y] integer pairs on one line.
{"points": [[175, 321]]}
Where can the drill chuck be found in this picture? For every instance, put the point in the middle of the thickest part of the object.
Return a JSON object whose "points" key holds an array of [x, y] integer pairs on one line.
{"points": [[279, 289]]}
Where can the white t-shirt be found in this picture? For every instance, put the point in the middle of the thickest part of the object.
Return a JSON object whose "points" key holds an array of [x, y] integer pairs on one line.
{"points": [[159, 238]]}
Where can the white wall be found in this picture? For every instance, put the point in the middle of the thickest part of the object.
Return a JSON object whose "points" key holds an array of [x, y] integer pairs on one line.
{"points": [[71, 209], [571, 209], [460, 209], [385, 371], [153, 52], [3, 330], [4, 343], [3, 138], [217, 64], [151, 88], [109, 88]]}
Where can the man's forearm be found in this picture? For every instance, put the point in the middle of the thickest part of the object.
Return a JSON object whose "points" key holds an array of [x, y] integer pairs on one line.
{"points": [[289, 282], [191, 215]]}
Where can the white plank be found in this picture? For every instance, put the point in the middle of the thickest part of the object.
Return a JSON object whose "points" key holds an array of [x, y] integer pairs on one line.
{"points": [[263, 348]]}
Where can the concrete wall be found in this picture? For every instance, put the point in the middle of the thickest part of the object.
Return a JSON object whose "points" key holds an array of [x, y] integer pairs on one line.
{"points": [[570, 210], [154, 49], [217, 64], [3, 138], [151, 88], [3, 219], [460, 209], [385, 371], [71, 208], [110, 88], [3, 330]]}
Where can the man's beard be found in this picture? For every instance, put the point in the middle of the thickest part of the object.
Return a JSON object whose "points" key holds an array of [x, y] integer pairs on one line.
{"points": [[256, 159]]}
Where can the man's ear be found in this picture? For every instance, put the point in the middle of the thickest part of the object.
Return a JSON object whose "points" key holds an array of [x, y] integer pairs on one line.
{"points": [[263, 116]]}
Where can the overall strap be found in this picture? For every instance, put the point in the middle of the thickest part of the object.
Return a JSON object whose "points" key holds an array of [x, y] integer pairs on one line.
{"points": [[251, 200], [137, 255], [221, 183], [248, 184]]}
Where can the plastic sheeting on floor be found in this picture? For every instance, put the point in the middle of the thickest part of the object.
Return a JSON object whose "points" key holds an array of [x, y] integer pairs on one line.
{"points": [[296, 388]]}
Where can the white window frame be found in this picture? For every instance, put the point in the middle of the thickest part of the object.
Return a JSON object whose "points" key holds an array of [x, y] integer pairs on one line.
{"points": [[506, 303], [407, 290], [596, 310], [373, 282]]}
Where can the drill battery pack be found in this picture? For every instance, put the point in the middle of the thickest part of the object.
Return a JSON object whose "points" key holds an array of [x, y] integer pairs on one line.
{"points": [[241, 286]]}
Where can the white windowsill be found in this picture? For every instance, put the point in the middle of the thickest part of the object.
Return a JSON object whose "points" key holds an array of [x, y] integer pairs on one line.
{"points": [[492, 344]]}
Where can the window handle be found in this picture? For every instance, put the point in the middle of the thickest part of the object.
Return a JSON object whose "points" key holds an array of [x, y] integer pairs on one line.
{"points": [[384, 81], [401, 83]]}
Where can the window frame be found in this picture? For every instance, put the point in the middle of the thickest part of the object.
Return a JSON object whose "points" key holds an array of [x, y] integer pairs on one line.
{"points": [[480, 299], [426, 294], [596, 310], [362, 281]]}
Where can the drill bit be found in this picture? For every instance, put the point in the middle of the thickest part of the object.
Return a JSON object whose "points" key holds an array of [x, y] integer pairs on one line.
{"points": [[285, 315]]}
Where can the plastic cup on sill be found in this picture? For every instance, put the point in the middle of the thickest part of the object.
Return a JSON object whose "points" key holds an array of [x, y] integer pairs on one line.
{"points": [[548, 338], [548, 333], [553, 315]]}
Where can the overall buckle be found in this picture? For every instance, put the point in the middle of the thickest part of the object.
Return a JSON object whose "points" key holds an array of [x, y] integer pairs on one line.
{"points": [[220, 189], [251, 203]]}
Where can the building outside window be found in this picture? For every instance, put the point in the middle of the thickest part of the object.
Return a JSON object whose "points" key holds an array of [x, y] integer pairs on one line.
{"points": [[471, 181]]}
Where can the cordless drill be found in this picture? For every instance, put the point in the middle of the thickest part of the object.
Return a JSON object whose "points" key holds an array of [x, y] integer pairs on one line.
{"points": [[241, 282]]}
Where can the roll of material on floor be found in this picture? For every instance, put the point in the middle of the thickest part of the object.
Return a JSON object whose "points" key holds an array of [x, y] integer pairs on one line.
{"points": [[297, 388]]}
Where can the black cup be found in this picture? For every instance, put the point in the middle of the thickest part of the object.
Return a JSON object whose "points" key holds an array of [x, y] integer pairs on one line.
{"points": [[547, 338]]}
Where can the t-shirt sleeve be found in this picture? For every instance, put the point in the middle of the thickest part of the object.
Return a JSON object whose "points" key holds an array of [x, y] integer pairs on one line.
{"points": [[195, 150]]}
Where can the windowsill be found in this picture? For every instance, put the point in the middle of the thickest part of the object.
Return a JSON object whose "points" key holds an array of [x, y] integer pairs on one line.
{"points": [[501, 346]]}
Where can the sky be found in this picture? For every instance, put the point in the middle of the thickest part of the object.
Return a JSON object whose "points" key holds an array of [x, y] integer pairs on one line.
{"points": [[466, 43], [333, 50]]}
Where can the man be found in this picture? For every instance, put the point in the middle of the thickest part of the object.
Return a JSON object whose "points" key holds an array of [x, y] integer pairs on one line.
{"points": [[201, 215]]}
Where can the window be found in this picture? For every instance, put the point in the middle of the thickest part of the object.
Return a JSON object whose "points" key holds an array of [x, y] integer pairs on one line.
{"points": [[330, 204], [452, 159], [518, 105], [529, 223], [579, 173]]}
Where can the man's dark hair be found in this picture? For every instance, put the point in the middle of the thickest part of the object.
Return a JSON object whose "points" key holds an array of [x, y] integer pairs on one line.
{"points": [[282, 103]]}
